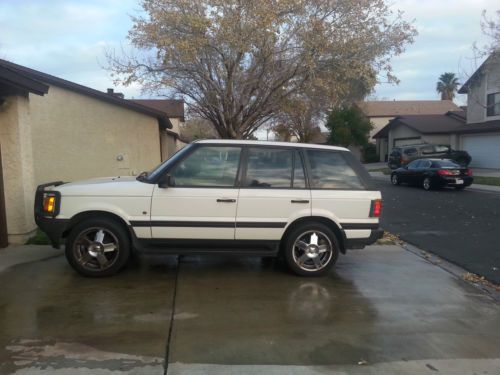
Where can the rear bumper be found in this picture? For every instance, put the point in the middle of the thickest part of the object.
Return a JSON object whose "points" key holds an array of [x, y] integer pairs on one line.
{"points": [[359, 243], [467, 181]]}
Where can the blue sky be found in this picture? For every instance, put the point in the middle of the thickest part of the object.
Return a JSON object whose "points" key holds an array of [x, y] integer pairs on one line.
{"points": [[68, 39]]}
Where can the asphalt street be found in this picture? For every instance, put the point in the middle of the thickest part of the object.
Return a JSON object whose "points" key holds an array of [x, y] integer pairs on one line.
{"points": [[462, 227]]}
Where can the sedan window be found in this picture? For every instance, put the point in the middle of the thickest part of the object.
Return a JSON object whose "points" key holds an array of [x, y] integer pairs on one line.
{"points": [[414, 164]]}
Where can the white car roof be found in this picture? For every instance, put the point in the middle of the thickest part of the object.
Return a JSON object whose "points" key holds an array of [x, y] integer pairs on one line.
{"points": [[270, 143]]}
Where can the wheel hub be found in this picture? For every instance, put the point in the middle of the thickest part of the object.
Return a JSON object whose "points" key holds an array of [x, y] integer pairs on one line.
{"points": [[312, 251], [96, 248]]}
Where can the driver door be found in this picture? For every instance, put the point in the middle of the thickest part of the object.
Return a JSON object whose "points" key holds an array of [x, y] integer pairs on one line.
{"points": [[201, 201]]}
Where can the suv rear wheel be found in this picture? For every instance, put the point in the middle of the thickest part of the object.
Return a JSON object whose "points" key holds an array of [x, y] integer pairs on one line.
{"points": [[98, 247], [311, 249]]}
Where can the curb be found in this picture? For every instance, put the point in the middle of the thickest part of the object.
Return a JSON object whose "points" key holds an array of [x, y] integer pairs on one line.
{"points": [[451, 268]]}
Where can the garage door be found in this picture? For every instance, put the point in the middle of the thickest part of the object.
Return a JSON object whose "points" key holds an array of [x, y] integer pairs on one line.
{"points": [[484, 149]]}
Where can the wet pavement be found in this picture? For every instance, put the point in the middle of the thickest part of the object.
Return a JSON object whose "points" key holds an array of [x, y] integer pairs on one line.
{"points": [[382, 310]]}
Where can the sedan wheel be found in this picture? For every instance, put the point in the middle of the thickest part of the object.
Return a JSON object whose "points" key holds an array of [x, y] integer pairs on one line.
{"points": [[97, 247], [395, 179], [311, 250], [427, 184]]}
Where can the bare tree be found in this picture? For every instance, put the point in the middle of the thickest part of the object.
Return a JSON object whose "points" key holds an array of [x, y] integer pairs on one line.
{"points": [[237, 61]]}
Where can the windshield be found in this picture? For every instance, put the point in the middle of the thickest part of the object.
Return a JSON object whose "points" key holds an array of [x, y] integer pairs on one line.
{"points": [[156, 172]]}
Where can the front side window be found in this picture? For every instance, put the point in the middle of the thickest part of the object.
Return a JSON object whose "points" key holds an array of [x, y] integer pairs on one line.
{"points": [[329, 170], [269, 168], [493, 104], [208, 167]]}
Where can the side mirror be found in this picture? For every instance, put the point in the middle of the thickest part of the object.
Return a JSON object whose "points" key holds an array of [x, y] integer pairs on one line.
{"points": [[164, 181]]}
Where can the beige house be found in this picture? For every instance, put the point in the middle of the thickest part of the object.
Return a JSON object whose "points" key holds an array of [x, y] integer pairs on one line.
{"points": [[52, 129], [380, 112]]}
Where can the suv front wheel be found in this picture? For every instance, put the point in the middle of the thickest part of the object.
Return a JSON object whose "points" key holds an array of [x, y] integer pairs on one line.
{"points": [[98, 247], [311, 249]]}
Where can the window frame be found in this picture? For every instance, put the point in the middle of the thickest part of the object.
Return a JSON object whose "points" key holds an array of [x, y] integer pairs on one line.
{"points": [[195, 147], [493, 105], [351, 161]]}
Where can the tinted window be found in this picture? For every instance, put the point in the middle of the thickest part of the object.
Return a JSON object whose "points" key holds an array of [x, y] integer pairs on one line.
{"points": [[299, 178], [442, 148], [208, 166], [396, 152], [329, 170], [446, 164], [410, 151], [269, 168], [425, 164], [414, 164], [427, 150]]}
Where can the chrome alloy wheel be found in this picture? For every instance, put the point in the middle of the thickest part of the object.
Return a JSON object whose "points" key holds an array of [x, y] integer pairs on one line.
{"points": [[312, 251], [96, 249], [427, 183]]}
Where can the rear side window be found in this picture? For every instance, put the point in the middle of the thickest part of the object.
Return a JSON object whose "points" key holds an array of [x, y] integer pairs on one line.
{"points": [[330, 170], [269, 168], [410, 151]]}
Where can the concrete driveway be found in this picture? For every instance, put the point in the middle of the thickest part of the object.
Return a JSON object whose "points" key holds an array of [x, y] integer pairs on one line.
{"points": [[382, 310]]}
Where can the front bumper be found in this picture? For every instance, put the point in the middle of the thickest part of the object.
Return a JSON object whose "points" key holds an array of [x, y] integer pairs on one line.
{"points": [[53, 228], [359, 243]]}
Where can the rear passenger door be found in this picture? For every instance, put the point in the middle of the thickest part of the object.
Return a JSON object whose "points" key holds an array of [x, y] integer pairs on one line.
{"points": [[273, 191]]}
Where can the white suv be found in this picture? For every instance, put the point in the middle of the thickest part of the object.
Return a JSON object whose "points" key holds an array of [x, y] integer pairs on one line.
{"points": [[304, 202]]}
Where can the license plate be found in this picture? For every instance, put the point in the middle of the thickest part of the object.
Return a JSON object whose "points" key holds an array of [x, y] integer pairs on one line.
{"points": [[459, 182]]}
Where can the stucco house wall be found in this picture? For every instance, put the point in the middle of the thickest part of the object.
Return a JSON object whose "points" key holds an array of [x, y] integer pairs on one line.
{"points": [[487, 83], [77, 136], [378, 124], [17, 163]]}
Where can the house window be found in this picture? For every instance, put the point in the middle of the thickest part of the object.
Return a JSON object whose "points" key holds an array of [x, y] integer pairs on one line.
{"points": [[493, 104]]}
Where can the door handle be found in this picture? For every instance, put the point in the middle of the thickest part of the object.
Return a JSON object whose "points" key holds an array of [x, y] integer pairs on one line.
{"points": [[226, 200], [299, 201]]}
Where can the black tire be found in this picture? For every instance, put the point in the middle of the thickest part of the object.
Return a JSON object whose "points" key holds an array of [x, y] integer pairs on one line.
{"points": [[395, 179], [324, 237], [427, 183], [79, 249]]}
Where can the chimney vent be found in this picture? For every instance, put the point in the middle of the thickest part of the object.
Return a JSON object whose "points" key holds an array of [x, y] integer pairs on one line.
{"points": [[115, 94]]}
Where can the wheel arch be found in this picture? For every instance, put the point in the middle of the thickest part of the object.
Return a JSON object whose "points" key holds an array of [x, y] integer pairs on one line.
{"points": [[78, 218], [316, 219]]}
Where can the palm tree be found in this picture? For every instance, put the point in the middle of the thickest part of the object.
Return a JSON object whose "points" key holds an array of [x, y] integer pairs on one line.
{"points": [[447, 86]]}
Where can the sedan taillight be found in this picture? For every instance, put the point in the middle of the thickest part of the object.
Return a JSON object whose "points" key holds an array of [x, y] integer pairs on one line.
{"points": [[445, 172]]}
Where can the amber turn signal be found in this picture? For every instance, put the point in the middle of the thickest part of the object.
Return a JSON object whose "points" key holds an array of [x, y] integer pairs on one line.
{"points": [[49, 204]]}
